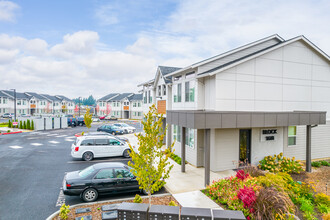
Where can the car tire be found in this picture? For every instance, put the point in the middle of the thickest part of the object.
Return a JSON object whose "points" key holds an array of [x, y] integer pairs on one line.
{"points": [[127, 153], [144, 192], [113, 133], [88, 156], [90, 195]]}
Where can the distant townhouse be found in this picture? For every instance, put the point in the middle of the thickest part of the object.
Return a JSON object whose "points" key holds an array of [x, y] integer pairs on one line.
{"points": [[121, 105], [267, 97], [33, 103]]}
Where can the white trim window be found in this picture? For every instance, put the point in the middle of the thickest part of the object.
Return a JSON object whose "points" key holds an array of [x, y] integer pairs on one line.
{"points": [[164, 90], [177, 93], [190, 91], [190, 137], [176, 133], [159, 90], [292, 135]]}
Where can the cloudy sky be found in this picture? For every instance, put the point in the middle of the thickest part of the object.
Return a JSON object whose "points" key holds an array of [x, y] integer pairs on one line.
{"points": [[82, 47]]}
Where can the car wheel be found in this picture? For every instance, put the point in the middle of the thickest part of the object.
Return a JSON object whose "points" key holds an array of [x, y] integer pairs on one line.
{"points": [[113, 133], [90, 195], [127, 153], [88, 156], [144, 192]]}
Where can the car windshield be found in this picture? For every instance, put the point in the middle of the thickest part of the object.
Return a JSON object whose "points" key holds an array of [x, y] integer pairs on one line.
{"points": [[85, 172], [115, 127], [124, 125]]}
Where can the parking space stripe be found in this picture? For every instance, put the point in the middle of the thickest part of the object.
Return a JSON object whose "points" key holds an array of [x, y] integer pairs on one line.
{"points": [[100, 161]]}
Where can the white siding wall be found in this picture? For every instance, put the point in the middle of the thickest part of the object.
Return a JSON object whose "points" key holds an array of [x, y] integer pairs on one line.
{"points": [[191, 153], [260, 149], [290, 78], [320, 143]]}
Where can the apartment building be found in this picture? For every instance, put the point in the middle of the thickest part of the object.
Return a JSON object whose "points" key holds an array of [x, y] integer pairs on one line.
{"points": [[33, 103], [121, 105], [264, 98]]}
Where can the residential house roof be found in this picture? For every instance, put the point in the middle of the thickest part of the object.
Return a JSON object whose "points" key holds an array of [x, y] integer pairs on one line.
{"points": [[51, 98], [37, 96], [108, 97], [136, 97], [122, 96], [63, 98], [19, 95], [2, 94], [165, 70]]}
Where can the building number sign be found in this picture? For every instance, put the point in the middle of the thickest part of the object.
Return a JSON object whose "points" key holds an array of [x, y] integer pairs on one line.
{"points": [[269, 134]]}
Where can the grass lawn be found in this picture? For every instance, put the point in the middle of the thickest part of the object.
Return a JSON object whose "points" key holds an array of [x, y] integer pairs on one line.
{"points": [[3, 125]]}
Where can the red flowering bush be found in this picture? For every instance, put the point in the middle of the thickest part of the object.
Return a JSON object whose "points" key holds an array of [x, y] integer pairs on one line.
{"points": [[242, 175], [248, 197]]}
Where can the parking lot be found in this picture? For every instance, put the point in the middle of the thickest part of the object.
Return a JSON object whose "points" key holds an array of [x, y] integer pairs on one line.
{"points": [[33, 165]]}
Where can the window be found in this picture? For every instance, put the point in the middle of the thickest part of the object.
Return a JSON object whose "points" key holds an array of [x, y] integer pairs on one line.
{"points": [[159, 90], [134, 104], [114, 142], [86, 172], [0, 100], [139, 104], [150, 97], [19, 102], [292, 132], [5, 100], [105, 174], [190, 140], [139, 113], [179, 92], [87, 142], [101, 142], [24, 102], [123, 173], [164, 89], [145, 97], [189, 92], [177, 133]]}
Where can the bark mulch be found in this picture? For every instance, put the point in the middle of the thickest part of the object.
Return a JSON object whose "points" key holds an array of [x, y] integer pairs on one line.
{"points": [[97, 212]]}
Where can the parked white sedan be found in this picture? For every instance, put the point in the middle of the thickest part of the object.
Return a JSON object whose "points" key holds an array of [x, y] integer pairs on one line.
{"points": [[127, 128], [90, 147]]}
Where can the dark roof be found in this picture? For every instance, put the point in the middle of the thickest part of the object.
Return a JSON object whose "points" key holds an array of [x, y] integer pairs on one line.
{"points": [[37, 96], [136, 97], [107, 97], [52, 98], [19, 95], [62, 97], [4, 95], [167, 70], [121, 96]]}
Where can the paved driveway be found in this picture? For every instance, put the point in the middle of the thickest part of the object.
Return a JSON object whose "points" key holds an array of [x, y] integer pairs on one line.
{"points": [[32, 170]]}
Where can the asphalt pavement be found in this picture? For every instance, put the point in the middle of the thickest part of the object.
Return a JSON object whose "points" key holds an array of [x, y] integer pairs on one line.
{"points": [[33, 165]]}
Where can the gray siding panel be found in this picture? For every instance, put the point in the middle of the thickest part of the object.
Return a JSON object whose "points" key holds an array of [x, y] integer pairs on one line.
{"points": [[237, 55]]}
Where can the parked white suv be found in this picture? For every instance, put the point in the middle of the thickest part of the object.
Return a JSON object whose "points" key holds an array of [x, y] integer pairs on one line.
{"points": [[90, 147], [127, 128]]}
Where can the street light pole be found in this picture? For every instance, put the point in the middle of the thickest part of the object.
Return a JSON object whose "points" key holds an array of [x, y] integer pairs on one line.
{"points": [[14, 104]]}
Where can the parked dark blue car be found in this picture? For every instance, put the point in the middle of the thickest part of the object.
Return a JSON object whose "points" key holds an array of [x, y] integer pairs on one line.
{"points": [[111, 129], [72, 122]]}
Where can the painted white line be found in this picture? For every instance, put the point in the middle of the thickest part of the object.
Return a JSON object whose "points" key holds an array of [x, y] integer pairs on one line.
{"points": [[49, 135], [60, 136], [54, 142], [36, 144], [97, 161], [15, 147]]}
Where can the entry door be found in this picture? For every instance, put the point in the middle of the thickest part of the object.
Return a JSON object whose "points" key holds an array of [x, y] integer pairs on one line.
{"points": [[245, 146]]}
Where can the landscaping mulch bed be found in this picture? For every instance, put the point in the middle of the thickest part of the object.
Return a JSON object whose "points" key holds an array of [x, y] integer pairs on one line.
{"points": [[319, 177], [97, 212]]}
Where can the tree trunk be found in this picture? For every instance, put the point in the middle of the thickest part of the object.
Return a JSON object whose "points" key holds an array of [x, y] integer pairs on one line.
{"points": [[149, 194]]}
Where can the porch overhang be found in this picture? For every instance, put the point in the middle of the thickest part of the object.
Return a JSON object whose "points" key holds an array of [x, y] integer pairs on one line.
{"points": [[207, 119]]}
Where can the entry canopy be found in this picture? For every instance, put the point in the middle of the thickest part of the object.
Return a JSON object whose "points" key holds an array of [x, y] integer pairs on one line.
{"points": [[207, 119]]}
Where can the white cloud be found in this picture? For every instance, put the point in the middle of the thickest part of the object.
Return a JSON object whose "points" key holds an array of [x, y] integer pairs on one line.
{"points": [[106, 15], [7, 11]]}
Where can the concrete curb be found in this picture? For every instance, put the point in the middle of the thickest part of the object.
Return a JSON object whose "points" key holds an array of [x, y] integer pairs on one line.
{"points": [[111, 200], [14, 132]]}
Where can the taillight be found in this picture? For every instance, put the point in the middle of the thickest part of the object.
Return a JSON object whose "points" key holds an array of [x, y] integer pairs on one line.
{"points": [[76, 149], [68, 185]]}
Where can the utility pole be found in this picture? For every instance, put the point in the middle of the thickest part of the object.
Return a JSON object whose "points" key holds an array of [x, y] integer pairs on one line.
{"points": [[79, 106]]}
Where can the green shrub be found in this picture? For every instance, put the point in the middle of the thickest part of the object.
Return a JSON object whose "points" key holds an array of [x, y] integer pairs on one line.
{"points": [[253, 170], [137, 199], [82, 133], [24, 125], [325, 163], [323, 199], [20, 125], [28, 124], [316, 164], [32, 125], [10, 124], [323, 209], [8, 131], [172, 203], [278, 163], [64, 211]]}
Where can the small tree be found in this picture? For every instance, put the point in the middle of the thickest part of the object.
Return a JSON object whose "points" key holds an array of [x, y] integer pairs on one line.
{"points": [[150, 165], [9, 124], [20, 125], [88, 118], [24, 125], [28, 124], [32, 125]]}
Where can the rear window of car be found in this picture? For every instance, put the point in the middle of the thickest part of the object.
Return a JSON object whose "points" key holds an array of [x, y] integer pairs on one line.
{"points": [[101, 142], [105, 174], [86, 172], [87, 142]]}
